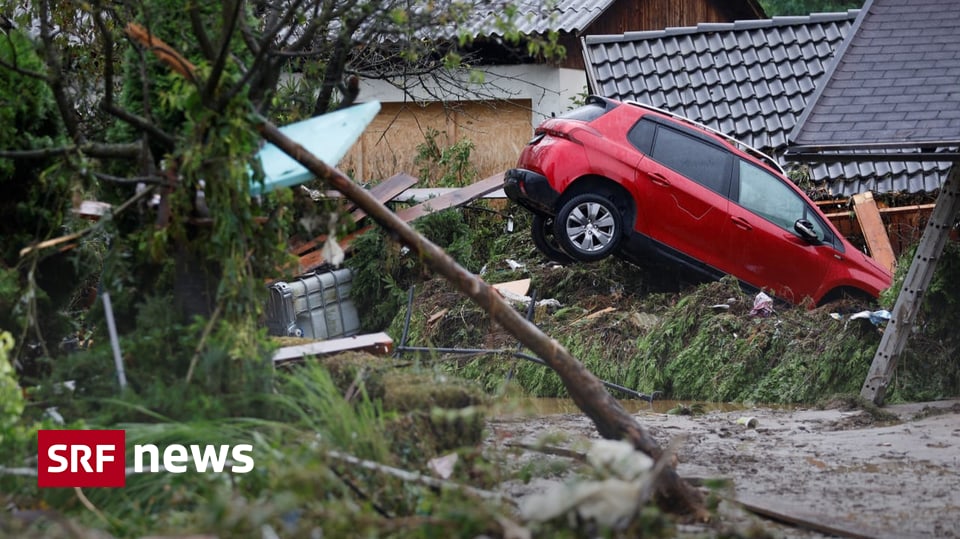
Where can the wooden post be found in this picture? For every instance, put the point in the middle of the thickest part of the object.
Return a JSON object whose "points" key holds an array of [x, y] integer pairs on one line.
{"points": [[874, 233], [914, 285]]}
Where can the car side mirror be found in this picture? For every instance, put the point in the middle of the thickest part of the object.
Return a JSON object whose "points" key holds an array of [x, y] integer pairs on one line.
{"points": [[806, 231]]}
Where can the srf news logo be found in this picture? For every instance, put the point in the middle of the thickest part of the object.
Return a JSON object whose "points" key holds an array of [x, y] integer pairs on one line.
{"points": [[97, 458]]}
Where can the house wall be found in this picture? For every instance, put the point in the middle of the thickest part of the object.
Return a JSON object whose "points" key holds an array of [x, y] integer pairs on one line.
{"points": [[498, 116], [656, 15]]}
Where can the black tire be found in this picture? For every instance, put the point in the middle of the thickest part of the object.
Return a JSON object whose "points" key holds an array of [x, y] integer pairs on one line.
{"points": [[544, 239], [589, 227]]}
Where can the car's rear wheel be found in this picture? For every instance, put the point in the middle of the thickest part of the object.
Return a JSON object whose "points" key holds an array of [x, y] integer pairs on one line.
{"points": [[545, 240], [589, 227]]}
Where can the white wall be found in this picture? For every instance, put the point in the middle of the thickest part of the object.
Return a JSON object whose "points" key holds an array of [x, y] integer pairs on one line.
{"points": [[550, 89]]}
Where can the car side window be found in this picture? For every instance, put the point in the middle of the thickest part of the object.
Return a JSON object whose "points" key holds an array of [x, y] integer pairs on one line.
{"points": [[641, 135], [699, 161], [767, 196]]}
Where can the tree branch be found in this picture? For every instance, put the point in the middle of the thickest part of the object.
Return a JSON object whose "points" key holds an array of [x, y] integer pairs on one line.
{"points": [[92, 149], [165, 139], [71, 119], [233, 9], [206, 47]]}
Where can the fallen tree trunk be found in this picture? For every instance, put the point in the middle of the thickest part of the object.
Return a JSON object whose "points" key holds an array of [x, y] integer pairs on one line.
{"points": [[611, 420], [587, 391]]}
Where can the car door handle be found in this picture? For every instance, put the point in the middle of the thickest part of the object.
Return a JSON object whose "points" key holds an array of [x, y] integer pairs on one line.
{"points": [[659, 179], [742, 223]]}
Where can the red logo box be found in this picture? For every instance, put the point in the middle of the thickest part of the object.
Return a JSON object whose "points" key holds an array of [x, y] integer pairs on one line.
{"points": [[81, 458]]}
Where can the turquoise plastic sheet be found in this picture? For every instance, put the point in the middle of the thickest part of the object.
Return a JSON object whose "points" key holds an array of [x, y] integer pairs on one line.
{"points": [[328, 137]]}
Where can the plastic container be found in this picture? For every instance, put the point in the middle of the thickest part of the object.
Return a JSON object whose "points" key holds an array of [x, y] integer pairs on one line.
{"points": [[314, 306]]}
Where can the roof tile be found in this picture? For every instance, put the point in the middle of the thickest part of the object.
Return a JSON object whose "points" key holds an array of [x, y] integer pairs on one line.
{"points": [[751, 80]]}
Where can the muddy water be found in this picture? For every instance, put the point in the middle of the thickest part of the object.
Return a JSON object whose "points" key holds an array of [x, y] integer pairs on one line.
{"points": [[542, 406]]}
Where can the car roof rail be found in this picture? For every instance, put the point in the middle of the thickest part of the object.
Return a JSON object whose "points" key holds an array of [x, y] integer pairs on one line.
{"points": [[743, 146]]}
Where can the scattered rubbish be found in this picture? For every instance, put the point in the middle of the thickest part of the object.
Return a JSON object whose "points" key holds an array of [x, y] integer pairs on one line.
{"points": [[762, 305], [605, 502], [514, 265], [619, 459], [515, 292], [749, 422], [443, 466], [54, 415], [437, 316], [875, 317], [725, 306]]}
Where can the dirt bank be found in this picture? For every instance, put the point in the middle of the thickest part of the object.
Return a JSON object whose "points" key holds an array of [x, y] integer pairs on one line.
{"points": [[857, 474]]}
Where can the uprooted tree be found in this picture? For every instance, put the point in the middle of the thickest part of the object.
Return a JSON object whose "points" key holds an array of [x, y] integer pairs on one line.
{"points": [[161, 118]]}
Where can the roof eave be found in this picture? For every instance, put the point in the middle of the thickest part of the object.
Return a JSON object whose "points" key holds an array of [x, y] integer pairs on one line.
{"points": [[876, 152]]}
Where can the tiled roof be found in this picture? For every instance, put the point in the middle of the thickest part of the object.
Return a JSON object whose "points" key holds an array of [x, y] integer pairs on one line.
{"points": [[895, 81], [532, 18], [528, 17], [749, 79]]}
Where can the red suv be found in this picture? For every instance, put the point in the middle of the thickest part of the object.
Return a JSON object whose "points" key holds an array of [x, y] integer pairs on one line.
{"points": [[627, 179]]}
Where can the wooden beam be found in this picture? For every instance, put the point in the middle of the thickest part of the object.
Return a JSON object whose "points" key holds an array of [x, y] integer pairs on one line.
{"points": [[915, 284], [790, 514], [385, 191], [874, 233]]}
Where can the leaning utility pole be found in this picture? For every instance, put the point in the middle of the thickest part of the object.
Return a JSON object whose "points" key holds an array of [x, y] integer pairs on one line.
{"points": [[914, 285]]}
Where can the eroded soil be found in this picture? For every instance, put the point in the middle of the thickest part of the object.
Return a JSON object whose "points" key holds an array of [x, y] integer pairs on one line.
{"points": [[892, 474]]}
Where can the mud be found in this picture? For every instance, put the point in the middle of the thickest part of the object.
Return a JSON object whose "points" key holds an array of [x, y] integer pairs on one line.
{"points": [[839, 471]]}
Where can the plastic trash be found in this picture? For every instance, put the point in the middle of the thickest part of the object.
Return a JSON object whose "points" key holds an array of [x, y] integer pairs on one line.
{"points": [[762, 305], [876, 317]]}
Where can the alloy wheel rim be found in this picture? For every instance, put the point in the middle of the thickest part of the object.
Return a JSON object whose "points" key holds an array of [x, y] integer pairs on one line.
{"points": [[590, 227]]}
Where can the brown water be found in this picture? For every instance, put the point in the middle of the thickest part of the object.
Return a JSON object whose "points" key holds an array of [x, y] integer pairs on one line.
{"points": [[543, 406]]}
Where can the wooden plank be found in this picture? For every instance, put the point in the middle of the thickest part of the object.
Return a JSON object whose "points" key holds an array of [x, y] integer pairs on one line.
{"points": [[416, 196], [456, 198], [874, 233], [374, 343], [819, 523], [386, 191], [914, 208], [916, 281]]}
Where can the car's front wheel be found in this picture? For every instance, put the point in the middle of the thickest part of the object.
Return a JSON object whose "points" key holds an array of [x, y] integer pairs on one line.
{"points": [[545, 240], [589, 227]]}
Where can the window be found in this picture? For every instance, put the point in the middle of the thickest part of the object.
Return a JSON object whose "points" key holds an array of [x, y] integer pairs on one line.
{"points": [[641, 135], [699, 161], [767, 196]]}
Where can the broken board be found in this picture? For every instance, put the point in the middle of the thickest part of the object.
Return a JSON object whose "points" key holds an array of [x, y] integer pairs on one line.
{"points": [[328, 137], [374, 343], [874, 233]]}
